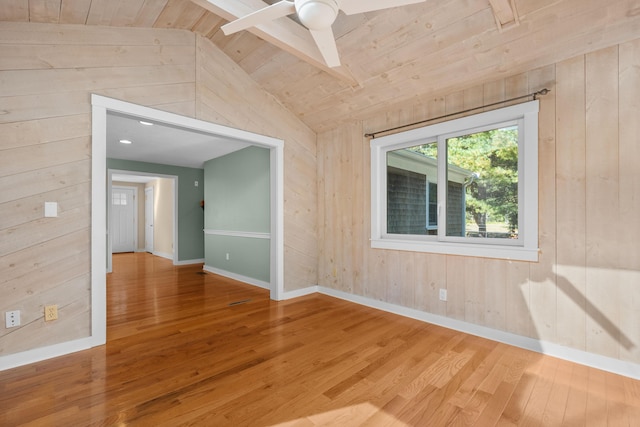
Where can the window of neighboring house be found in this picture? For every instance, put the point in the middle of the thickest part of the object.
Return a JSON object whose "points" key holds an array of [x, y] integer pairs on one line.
{"points": [[488, 202], [432, 207]]}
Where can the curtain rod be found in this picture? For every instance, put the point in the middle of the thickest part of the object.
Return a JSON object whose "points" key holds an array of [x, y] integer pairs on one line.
{"points": [[533, 95]]}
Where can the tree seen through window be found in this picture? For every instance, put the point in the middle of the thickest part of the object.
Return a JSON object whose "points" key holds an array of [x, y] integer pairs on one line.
{"points": [[490, 202]]}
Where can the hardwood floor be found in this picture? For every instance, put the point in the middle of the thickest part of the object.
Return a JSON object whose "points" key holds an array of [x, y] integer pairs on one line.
{"points": [[191, 348]]}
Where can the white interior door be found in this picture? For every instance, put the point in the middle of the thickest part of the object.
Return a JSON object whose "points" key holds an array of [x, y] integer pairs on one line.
{"points": [[123, 220], [148, 219]]}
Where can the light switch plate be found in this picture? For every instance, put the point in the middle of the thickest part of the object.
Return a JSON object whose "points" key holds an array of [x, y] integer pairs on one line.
{"points": [[50, 209]]}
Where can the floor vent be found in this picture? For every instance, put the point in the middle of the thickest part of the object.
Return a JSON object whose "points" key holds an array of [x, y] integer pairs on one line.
{"points": [[244, 301]]}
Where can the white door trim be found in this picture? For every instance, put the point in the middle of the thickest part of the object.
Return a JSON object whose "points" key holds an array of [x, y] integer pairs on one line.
{"points": [[149, 242], [100, 106]]}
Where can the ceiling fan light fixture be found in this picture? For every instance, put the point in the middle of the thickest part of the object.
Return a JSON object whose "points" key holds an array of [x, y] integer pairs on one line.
{"points": [[317, 14]]}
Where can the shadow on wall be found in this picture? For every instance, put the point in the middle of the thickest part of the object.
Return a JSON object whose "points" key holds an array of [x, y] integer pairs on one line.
{"points": [[593, 312], [582, 306]]}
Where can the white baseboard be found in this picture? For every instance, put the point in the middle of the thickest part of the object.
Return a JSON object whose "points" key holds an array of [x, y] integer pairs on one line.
{"points": [[43, 353], [299, 293], [163, 255], [189, 261], [604, 363], [238, 277]]}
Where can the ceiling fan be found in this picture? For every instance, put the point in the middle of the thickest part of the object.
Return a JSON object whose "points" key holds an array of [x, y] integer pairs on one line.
{"points": [[317, 16]]}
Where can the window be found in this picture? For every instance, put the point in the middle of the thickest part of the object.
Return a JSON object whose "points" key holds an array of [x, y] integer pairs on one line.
{"points": [[119, 198], [432, 207], [466, 187]]}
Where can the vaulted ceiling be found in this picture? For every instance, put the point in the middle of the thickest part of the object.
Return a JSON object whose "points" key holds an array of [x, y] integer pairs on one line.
{"points": [[388, 57]]}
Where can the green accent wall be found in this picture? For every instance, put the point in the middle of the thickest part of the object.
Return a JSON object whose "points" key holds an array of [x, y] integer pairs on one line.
{"points": [[237, 199], [190, 214], [247, 256]]}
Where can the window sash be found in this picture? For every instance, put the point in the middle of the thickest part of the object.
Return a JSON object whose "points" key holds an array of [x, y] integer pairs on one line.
{"points": [[442, 177]]}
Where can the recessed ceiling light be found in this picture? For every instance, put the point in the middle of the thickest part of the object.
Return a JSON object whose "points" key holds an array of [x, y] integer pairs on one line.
{"points": [[125, 141], [142, 122]]}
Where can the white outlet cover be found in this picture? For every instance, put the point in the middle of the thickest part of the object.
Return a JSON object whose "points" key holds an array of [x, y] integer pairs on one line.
{"points": [[443, 294], [12, 318]]}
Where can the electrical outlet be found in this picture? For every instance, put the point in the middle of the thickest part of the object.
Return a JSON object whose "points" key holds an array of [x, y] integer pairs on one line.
{"points": [[50, 312], [12, 319], [443, 294], [227, 256]]}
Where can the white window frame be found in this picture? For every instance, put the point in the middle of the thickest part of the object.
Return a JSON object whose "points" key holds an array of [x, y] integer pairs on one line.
{"points": [[525, 248]]}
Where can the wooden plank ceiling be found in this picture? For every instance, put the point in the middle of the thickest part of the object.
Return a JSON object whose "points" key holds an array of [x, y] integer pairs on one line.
{"points": [[389, 57]]}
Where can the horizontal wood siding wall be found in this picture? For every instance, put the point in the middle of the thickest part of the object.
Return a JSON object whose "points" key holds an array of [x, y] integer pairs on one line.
{"points": [[47, 73], [583, 293]]}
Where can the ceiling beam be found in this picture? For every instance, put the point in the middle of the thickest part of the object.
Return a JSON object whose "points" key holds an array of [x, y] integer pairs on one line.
{"points": [[505, 13], [283, 33]]}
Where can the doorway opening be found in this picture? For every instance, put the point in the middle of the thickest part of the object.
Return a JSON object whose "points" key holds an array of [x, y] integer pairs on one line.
{"points": [[101, 106], [145, 214]]}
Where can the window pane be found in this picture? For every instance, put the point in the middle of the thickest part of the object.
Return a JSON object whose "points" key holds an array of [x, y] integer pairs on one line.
{"points": [[412, 175], [118, 198], [482, 190]]}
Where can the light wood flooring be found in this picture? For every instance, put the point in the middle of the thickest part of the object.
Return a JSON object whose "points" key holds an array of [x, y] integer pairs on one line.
{"points": [[191, 348]]}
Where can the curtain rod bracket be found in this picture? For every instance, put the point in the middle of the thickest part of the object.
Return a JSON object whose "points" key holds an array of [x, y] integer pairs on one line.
{"points": [[533, 95], [541, 92]]}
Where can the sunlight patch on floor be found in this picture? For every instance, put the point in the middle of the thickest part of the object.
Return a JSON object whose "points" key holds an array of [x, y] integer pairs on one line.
{"points": [[348, 415]]}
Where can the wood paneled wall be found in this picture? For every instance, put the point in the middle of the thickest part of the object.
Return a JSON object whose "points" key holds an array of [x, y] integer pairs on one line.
{"points": [[47, 73], [47, 76], [585, 290]]}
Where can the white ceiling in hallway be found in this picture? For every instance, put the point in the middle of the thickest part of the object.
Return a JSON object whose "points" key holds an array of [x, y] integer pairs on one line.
{"points": [[164, 144]]}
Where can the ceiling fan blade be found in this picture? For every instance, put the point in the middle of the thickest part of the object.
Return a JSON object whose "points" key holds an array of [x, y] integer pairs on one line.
{"points": [[327, 45], [269, 13], [351, 7]]}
